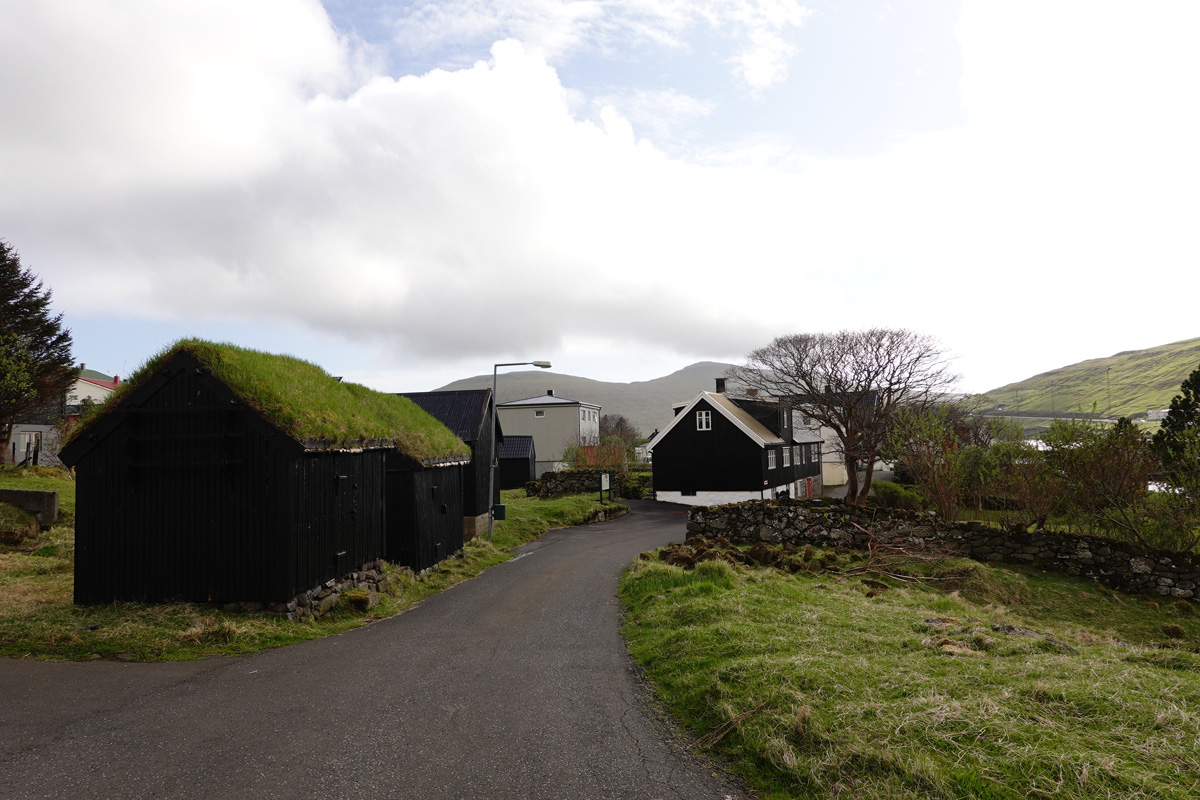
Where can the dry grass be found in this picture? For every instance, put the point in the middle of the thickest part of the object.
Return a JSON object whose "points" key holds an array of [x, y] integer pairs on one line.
{"points": [[921, 692], [38, 618]]}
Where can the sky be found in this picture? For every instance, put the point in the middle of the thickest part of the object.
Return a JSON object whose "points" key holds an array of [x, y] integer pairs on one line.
{"points": [[407, 193]]}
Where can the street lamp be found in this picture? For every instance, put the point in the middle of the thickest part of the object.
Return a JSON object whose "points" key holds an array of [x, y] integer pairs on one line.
{"points": [[492, 455]]}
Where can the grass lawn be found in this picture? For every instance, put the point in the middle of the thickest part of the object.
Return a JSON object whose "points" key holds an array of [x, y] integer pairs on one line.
{"points": [[821, 684], [38, 618]]}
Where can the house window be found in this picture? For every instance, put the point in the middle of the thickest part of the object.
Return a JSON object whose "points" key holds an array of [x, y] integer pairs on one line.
{"points": [[787, 456], [539, 413], [770, 459], [704, 420]]}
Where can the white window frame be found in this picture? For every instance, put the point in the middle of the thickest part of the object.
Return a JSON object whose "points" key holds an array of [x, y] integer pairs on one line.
{"points": [[770, 459], [539, 413], [787, 456], [704, 420]]}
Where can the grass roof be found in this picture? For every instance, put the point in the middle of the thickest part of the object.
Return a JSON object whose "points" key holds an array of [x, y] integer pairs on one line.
{"points": [[305, 402]]}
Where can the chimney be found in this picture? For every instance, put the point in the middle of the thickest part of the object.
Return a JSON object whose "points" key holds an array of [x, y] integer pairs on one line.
{"points": [[720, 386], [550, 393], [116, 378]]}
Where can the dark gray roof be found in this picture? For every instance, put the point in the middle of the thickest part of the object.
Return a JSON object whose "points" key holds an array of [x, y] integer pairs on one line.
{"points": [[515, 446], [464, 412], [547, 400]]}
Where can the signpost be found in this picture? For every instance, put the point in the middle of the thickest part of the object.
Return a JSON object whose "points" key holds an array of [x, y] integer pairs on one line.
{"points": [[605, 486]]}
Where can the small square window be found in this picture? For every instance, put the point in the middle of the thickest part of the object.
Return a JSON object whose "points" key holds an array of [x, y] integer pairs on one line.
{"points": [[704, 420]]}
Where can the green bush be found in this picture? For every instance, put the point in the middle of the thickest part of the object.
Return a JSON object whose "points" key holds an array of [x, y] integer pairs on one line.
{"points": [[638, 485], [893, 495]]}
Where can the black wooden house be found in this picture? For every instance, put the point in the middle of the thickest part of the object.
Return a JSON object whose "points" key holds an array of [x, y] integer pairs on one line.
{"points": [[518, 462], [721, 450], [218, 474], [468, 414]]}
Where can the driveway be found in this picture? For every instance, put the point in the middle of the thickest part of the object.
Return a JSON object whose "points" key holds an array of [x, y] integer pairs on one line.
{"points": [[513, 685]]}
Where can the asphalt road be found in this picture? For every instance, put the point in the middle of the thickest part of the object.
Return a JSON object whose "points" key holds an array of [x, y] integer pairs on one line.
{"points": [[513, 685]]}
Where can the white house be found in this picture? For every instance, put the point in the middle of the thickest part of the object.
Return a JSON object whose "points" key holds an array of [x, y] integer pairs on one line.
{"points": [[554, 422]]}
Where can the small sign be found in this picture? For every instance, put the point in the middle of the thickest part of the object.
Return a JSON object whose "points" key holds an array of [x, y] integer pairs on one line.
{"points": [[605, 486]]}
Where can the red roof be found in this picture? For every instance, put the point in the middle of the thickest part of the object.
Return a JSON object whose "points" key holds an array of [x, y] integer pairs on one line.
{"points": [[110, 385]]}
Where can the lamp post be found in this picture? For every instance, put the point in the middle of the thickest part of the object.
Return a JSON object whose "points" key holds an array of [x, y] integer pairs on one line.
{"points": [[492, 455]]}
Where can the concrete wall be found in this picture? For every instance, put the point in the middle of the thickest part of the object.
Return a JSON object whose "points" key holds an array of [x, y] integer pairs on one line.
{"points": [[42, 504]]}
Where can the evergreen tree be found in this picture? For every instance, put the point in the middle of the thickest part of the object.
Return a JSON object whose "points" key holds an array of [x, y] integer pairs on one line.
{"points": [[36, 366], [1175, 440]]}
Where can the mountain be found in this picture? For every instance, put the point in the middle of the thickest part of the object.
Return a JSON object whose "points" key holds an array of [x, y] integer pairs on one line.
{"points": [[1127, 384], [647, 404]]}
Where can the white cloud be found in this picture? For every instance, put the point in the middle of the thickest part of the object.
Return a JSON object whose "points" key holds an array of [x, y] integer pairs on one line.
{"points": [[665, 117], [557, 29], [133, 95], [199, 162]]}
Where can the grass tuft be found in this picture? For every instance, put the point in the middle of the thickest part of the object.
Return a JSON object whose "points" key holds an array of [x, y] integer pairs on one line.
{"points": [[998, 683]]}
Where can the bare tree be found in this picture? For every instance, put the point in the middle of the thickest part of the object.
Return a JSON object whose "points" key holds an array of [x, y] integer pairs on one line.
{"points": [[852, 382], [618, 425]]}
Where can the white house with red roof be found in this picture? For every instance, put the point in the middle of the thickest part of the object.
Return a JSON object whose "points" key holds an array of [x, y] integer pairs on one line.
{"points": [[35, 432]]}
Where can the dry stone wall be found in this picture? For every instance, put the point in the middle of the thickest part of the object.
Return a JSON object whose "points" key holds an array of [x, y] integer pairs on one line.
{"points": [[578, 481], [364, 588], [1115, 564]]}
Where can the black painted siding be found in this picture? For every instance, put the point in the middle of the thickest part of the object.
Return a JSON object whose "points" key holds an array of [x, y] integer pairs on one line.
{"points": [[424, 515], [720, 459], [725, 458], [476, 479], [185, 494], [180, 501], [337, 515]]}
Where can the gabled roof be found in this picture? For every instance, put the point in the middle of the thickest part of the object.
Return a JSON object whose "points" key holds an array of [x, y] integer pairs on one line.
{"points": [[547, 400], [516, 446], [754, 429], [296, 398], [95, 375], [109, 385], [806, 436], [465, 413]]}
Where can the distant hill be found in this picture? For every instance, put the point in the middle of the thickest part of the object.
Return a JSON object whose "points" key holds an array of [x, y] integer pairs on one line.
{"points": [[1126, 384], [647, 404]]}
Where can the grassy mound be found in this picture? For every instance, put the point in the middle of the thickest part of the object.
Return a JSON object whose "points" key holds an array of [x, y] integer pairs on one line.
{"points": [[16, 524], [945, 679]]}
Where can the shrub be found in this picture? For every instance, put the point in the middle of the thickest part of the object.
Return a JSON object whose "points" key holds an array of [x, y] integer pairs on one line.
{"points": [[638, 485], [893, 495]]}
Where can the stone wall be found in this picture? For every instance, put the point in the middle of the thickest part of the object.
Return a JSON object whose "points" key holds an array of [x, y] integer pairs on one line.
{"points": [[1115, 564], [363, 587], [578, 481]]}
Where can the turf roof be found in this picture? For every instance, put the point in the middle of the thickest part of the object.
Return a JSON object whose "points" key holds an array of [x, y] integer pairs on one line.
{"points": [[305, 402]]}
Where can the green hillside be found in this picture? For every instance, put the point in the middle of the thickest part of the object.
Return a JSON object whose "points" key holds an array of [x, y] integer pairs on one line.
{"points": [[1126, 384]]}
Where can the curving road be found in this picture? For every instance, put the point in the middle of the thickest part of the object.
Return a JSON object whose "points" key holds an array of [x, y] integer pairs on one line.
{"points": [[513, 685]]}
